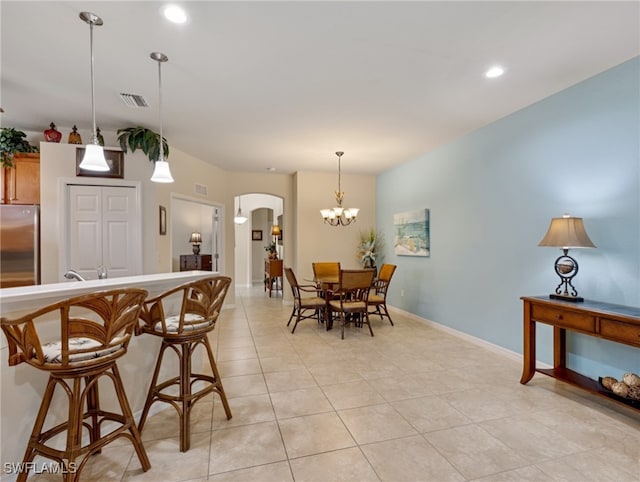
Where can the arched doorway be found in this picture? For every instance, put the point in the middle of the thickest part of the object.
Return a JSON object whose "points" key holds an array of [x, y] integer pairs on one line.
{"points": [[263, 211]]}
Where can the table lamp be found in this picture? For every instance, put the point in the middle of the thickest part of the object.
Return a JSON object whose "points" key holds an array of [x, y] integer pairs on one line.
{"points": [[566, 232], [275, 232], [196, 239]]}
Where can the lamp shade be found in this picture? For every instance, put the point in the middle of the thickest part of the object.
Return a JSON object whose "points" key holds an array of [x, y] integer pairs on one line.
{"points": [[93, 159], [161, 172], [275, 230], [567, 232], [195, 238]]}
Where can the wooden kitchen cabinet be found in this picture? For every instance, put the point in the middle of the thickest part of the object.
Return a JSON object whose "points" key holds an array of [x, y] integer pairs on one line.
{"points": [[21, 183]]}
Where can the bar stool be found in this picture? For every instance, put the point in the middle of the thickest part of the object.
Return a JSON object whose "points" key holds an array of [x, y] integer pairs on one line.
{"points": [[200, 305], [94, 331]]}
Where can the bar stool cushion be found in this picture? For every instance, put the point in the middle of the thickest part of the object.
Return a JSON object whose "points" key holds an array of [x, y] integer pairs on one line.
{"points": [[191, 323], [52, 351]]}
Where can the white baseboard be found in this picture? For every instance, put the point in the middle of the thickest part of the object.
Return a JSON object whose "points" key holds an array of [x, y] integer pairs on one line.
{"points": [[465, 336]]}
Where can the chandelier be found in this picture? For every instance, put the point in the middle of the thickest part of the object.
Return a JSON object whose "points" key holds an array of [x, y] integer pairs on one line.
{"points": [[339, 216]]}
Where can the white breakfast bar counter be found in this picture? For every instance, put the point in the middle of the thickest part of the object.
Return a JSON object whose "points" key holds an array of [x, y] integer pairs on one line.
{"points": [[22, 385]]}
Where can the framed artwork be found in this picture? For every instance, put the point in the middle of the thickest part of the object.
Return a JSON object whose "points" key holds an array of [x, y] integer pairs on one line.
{"points": [[412, 235], [115, 160], [280, 237], [256, 234], [163, 220]]}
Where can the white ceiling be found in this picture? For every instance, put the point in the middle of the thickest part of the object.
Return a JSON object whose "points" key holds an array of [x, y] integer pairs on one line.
{"points": [[252, 85]]}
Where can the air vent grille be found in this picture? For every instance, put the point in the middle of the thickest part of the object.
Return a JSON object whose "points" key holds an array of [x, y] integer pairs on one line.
{"points": [[201, 189], [133, 100]]}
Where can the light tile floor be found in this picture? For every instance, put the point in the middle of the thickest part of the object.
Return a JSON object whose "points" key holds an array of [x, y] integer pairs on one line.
{"points": [[412, 403]]}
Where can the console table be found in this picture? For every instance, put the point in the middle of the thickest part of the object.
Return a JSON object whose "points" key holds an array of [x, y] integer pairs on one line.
{"points": [[190, 262], [603, 320], [272, 275]]}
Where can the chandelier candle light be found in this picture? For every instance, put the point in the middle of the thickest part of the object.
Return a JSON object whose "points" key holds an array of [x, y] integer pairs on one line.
{"points": [[339, 216], [161, 171], [93, 159], [566, 232]]}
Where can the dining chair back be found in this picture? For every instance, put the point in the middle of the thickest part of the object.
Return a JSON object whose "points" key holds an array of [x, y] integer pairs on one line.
{"points": [[351, 302], [304, 307], [200, 303], [93, 332], [378, 295], [326, 270]]}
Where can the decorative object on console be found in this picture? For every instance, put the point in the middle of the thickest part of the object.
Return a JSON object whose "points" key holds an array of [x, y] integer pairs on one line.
{"points": [[161, 171], [74, 136], [412, 233], [12, 141], [239, 218], [99, 136], [93, 159], [272, 251], [196, 240], [51, 134], [566, 232], [339, 216]]}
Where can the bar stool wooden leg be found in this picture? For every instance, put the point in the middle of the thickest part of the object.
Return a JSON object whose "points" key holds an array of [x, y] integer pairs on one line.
{"points": [[185, 395], [152, 388], [219, 389], [129, 421]]}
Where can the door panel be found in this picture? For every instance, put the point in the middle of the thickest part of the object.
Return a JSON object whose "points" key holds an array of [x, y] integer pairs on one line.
{"points": [[102, 230]]}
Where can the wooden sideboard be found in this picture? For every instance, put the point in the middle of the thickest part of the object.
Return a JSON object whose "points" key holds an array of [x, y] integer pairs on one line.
{"points": [[273, 275], [190, 262], [603, 320]]}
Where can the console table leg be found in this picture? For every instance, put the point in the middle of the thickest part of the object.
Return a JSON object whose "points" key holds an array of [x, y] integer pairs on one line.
{"points": [[529, 351], [559, 347]]}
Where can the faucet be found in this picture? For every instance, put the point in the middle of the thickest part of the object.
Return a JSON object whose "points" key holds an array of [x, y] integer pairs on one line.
{"points": [[71, 274]]}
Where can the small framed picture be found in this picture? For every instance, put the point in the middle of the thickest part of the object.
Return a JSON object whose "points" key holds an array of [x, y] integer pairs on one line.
{"points": [[256, 234], [115, 161], [163, 220]]}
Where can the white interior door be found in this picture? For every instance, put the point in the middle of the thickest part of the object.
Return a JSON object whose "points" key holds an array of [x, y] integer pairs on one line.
{"points": [[102, 230]]}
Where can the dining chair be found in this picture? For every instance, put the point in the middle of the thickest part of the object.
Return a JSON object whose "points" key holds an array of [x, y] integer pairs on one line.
{"points": [[378, 296], [93, 332], [326, 270], [200, 303], [351, 302], [304, 307]]}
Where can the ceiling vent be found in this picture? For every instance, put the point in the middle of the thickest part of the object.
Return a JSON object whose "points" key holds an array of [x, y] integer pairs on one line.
{"points": [[133, 100]]}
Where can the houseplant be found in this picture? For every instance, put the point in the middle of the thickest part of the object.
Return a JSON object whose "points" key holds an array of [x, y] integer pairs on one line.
{"points": [[12, 141], [144, 139], [271, 250], [369, 248]]}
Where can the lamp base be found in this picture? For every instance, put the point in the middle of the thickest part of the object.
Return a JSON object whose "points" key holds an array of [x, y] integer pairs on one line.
{"points": [[577, 299]]}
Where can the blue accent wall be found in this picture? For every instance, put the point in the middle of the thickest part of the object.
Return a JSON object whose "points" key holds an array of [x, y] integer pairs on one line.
{"points": [[491, 196]]}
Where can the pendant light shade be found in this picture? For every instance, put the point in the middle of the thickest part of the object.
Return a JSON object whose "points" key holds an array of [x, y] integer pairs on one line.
{"points": [[93, 159], [161, 171], [240, 218]]}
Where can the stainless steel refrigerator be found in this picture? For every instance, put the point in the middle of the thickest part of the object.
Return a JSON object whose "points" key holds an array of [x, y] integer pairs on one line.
{"points": [[19, 245]]}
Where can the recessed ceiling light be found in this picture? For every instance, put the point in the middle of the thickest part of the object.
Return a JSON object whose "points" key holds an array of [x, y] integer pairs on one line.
{"points": [[493, 72], [271, 169], [175, 14]]}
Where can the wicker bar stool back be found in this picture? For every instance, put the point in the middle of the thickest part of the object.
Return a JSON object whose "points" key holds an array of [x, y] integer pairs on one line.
{"points": [[94, 331]]}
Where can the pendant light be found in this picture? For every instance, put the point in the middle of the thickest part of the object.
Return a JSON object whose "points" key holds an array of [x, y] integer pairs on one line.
{"points": [[161, 171], [239, 217], [93, 159]]}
